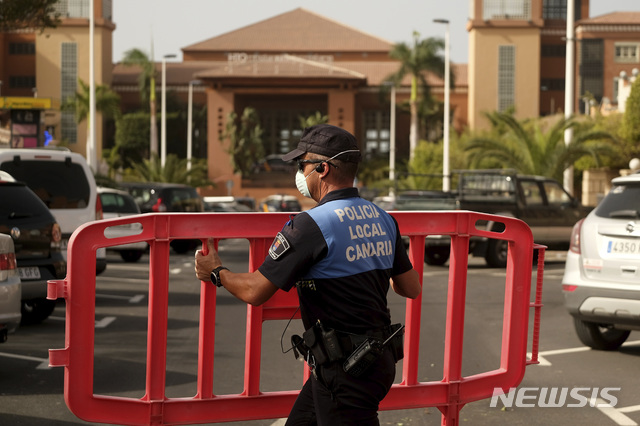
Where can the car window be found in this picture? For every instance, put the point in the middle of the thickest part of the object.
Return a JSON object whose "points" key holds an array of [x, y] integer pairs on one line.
{"points": [[555, 194], [622, 201], [183, 199], [116, 203], [59, 184], [531, 191], [18, 201]]}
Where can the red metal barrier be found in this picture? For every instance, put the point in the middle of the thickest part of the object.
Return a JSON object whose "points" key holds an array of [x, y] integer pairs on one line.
{"points": [[449, 395]]}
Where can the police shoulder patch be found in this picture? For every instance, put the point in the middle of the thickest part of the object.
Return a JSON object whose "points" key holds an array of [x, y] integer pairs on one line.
{"points": [[279, 246]]}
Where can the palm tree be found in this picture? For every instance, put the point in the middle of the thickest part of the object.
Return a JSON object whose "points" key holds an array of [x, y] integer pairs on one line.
{"points": [[107, 102], [312, 120], [415, 61], [147, 86], [174, 171], [531, 150]]}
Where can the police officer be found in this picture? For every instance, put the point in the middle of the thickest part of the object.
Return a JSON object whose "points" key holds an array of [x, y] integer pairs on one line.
{"points": [[342, 256]]}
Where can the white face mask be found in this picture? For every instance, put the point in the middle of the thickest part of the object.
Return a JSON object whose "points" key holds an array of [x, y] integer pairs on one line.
{"points": [[301, 183], [301, 179]]}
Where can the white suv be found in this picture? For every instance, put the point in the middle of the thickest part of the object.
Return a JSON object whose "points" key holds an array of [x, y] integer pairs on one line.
{"points": [[64, 181], [601, 283]]}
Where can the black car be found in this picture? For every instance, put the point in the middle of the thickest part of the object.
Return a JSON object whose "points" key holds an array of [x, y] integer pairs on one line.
{"points": [[37, 239], [159, 197]]}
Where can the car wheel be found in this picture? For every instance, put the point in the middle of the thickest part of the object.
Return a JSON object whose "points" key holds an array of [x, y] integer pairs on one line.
{"points": [[436, 256], [600, 336], [496, 255], [34, 311], [131, 255]]}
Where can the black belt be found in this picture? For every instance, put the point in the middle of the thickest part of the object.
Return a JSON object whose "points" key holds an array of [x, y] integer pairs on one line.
{"points": [[329, 345]]}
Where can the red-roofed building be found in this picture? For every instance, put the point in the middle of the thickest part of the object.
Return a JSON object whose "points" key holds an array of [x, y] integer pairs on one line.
{"points": [[289, 66], [608, 47]]}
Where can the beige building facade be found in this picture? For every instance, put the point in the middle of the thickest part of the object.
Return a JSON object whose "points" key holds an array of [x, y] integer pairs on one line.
{"points": [[49, 64]]}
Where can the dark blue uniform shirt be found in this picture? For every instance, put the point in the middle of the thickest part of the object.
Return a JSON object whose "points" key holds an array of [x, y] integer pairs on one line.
{"points": [[340, 256]]}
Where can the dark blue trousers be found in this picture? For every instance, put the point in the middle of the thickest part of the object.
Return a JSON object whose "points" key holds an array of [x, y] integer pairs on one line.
{"points": [[335, 398]]}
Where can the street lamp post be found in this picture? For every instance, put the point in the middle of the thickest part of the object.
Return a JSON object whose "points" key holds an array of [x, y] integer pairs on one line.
{"points": [[163, 119], [392, 143], [189, 123], [446, 174], [569, 91]]}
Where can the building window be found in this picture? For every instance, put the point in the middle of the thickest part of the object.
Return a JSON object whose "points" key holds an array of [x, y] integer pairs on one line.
{"points": [[22, 48], [553, 50], [73, 8], [377, 137], [552, 84], [592, 67], [281, 129], [626, 52], [68, 86], [616, 82], [506, 9], [557, 9], [107, 9], [22, 81], [506, 77], [554, 9]]}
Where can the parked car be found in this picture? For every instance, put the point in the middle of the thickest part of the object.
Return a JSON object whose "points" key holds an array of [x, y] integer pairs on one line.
{"points": [[37, 240], [224, 204], [601, 283], [64, 182], [9, 288], [115, 204], [437, 247], [158, 197], [280, 203]]}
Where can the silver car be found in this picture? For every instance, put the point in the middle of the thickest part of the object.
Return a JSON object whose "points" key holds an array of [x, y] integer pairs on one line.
{"points": [[601, 283], [10, 290]]}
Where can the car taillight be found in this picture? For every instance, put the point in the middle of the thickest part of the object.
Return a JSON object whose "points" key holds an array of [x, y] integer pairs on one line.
{"points": [[99, 214], [575, 237], [56, 236], [569, 287], [159, 207], [7, 261]]}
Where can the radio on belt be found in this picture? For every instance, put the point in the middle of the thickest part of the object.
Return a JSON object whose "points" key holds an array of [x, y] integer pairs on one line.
{"points": [[366, 354]]}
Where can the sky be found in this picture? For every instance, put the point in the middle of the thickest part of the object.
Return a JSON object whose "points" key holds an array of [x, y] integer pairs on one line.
{"points": [[174, 24]]}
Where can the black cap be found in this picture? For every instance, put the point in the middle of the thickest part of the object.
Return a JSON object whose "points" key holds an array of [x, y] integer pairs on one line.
{"points": [[327, 140]]}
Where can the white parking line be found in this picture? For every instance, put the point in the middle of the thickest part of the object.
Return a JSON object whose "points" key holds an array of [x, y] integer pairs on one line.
{"points": [[544, 362], [44, 363], [616, 414], [135, 299], [104, 322]]}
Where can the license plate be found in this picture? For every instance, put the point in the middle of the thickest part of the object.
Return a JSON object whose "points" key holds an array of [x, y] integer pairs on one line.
{"points": [[29, 273], [624, 247]]}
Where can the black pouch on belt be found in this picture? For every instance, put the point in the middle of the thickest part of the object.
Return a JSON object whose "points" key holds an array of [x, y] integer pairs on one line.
{"points": [[313, 340]]}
